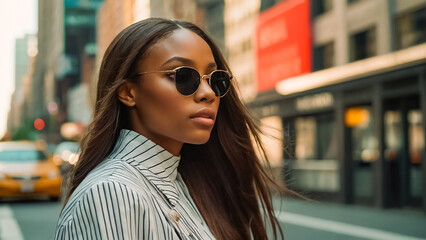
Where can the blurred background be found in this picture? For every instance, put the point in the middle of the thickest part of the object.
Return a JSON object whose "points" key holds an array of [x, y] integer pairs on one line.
{"points": [[339, 87]]}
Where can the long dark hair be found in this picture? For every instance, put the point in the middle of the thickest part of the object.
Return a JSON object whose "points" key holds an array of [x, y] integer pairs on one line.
{"points": [[224, 175]]}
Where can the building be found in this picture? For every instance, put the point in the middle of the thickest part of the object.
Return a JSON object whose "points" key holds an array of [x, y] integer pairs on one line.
{"points": [[25, 52], [240, 22], [72, 38], [58, 84], [353, 126], [80, 49], [114, 16], [36, 90]]}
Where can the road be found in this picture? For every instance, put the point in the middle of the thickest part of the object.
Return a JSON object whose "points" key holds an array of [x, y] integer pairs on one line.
{"points": [[30, 220], [34, 220], [304, 220]]}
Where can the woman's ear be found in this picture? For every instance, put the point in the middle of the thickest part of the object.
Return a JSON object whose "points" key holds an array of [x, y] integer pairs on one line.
{"points": [[126, 94]]}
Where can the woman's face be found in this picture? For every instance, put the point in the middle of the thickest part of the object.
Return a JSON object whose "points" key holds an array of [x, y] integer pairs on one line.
{"points": [[160, 112]]}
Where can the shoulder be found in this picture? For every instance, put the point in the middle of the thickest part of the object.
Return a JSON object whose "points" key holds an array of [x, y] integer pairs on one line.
{"points": [[101, 211], [109, 171], [99, 195], [113, 184]]}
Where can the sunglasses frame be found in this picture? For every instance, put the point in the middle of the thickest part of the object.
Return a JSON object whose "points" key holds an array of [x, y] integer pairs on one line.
{"points": [[201, 77]]}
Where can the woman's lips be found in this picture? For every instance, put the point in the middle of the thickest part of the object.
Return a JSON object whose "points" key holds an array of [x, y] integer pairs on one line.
{"points": [[204, 117], [203, 121]]}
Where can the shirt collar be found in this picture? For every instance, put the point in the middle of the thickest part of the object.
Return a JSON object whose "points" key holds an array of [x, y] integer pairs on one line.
{"points": [[157, 164]]}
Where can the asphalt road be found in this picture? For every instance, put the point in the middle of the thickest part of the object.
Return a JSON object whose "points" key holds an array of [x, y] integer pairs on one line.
{"points": [[36, 219], [305, 220], [30, 220]]}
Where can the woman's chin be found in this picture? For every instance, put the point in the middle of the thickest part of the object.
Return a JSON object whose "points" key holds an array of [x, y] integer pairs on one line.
{"points": [[198, 140]]}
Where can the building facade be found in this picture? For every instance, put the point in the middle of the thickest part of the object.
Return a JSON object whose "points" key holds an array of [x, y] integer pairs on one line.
{"points": [[353, 130], [36, 90], [25, 52], [240, 23], [114, 16], [350, 130]]}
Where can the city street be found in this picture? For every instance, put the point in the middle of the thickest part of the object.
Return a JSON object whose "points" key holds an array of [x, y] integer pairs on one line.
{"points": [[32, 220], [332, 94], [35, 220], [302, 220]]}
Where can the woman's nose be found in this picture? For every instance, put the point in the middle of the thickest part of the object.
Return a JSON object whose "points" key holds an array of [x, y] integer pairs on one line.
{"points": [[204, 92]]}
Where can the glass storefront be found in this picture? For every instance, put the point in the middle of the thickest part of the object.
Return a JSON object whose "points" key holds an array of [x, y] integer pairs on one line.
{"points": [[313, 157], [404, 143], [364, 145], [416, 145], [363, 152], [393, 150], [272, 139]]}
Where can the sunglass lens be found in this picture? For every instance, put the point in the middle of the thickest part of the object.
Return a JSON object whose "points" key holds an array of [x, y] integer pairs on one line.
{"points": [[187, 80], [220, 83]]}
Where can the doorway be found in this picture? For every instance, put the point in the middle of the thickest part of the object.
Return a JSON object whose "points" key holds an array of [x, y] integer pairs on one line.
{"points": [[403, 146], [362, 153]]}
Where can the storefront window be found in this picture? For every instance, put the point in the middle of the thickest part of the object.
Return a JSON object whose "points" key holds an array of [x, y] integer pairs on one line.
{"points": [[393, 135], [404, 145], [272, 140], [364, 144], [416, 145], [364, 148], [314, 166], [305, 137]]}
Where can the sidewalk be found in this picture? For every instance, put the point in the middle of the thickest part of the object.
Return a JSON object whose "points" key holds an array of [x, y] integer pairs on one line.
{"points": [[356, 222]]}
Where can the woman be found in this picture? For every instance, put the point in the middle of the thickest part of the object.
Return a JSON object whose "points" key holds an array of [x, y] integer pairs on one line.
{"points": [[168, 154]]}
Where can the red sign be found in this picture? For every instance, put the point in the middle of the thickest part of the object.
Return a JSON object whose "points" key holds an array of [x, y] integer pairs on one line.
{"points": [[283, 43]]}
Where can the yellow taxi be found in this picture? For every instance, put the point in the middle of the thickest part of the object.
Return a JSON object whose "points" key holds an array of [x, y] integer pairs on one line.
{"points": [[26, 171]]}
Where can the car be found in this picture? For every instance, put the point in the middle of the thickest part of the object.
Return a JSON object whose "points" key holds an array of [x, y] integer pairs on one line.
{"points": [[27, 171], [66, 155]]}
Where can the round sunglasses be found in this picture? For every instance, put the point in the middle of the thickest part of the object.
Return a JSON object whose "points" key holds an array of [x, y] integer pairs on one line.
{"points": [[187, 80]]}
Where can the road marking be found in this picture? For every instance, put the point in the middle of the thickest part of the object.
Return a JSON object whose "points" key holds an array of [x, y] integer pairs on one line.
{"points": [[342, 228], [9, 228]]}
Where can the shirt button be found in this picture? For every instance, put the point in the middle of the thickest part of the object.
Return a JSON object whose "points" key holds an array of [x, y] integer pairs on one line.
{"points": [[175, 216]]}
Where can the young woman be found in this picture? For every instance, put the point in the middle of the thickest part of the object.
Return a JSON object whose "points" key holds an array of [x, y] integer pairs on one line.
{"points": [[169, 153]]}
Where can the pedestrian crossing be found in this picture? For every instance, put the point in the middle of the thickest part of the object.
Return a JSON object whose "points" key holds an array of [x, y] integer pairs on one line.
{"points": [[9, 228]]}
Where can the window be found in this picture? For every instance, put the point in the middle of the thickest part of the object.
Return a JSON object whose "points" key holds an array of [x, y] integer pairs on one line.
{"points": [[410, 29], [272, 140], [246, 45], [352, 1], [321, 6], [265, 4], [416, 136], [362, 44], [364, 151], [17, 156], [364, 144], [323, 56], [313, 153]]}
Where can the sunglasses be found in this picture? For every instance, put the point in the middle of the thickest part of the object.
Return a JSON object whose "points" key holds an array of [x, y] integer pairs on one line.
{"points": [[188, 80]]}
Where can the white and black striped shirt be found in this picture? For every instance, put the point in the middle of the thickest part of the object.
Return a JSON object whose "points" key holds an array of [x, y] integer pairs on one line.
{"points": [[136, 193]]}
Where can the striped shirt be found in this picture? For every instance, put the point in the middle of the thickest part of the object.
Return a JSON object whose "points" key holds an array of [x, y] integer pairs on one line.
{"points": [[136, 193]]}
